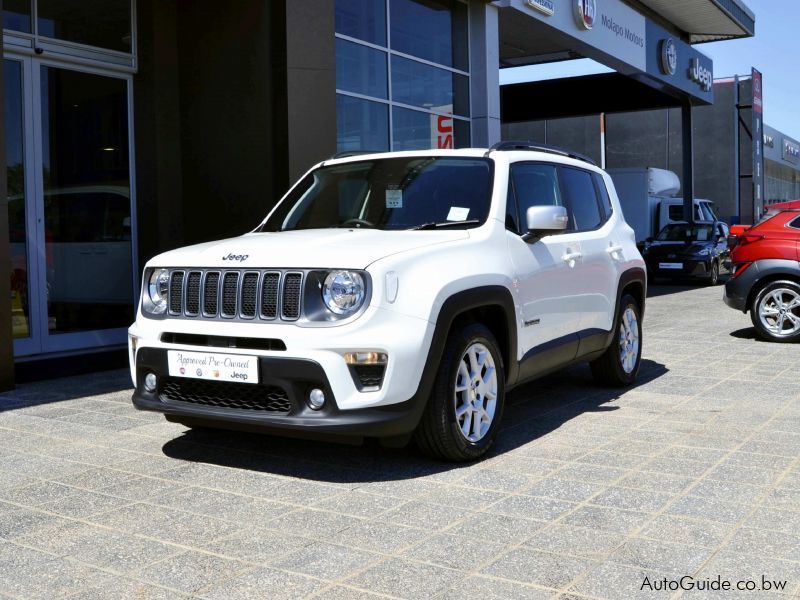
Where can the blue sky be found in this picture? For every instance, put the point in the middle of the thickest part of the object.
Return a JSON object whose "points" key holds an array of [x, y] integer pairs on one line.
{"points": [[773, 51]]}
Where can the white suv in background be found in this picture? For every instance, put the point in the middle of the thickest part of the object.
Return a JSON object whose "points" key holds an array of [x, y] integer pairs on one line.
{"points": [[397, 295]]}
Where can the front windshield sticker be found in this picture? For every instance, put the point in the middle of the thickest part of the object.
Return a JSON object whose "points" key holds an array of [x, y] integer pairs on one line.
{"points": [[457, 213], [394, 197]]}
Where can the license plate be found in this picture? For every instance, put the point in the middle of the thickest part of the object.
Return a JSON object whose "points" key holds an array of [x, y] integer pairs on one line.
{"points": [[670, 265], [212, 366]]}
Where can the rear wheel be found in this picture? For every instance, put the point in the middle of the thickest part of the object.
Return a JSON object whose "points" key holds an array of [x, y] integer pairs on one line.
{"points": [[775, 311], [464, 411], [619, 365]]}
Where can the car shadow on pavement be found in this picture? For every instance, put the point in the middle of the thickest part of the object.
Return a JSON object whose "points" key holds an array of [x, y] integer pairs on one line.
{"points": [[533, 411], [748, 333]]}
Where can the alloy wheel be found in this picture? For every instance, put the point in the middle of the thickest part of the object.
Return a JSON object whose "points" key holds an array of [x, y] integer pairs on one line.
{"points": [[629, 340], [779, 312], [475, 392]]}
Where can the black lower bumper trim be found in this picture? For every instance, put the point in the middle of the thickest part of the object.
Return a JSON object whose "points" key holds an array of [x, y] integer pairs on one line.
{"points": [[296, 377]]}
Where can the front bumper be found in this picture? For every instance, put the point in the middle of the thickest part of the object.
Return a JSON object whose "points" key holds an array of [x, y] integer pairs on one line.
{"points": [[693, 268], [289, 379]]}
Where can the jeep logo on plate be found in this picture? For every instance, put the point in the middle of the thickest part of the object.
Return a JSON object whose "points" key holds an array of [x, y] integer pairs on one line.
{"points": [[237, 257], [586, 12]]}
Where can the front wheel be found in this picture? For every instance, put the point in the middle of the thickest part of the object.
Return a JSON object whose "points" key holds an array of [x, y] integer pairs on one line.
{"points": [[775, 312], [464, 411], [713, 278], [619, 365]]}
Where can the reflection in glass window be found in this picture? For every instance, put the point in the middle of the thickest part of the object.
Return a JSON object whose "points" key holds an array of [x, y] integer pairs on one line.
{"points": [[101, 23], [414, 130], [360, 69], [582, 199], [361, 124], [421, 85], [435, 30], [362, 19], [17, 15]]}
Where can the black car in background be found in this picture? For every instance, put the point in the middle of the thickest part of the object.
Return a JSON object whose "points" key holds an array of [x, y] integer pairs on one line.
{"points": [[696, 251]]}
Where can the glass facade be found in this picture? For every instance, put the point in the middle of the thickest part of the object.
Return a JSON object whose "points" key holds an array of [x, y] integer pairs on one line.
{"points": [[781, 182], [402, 74], [100, 23]]}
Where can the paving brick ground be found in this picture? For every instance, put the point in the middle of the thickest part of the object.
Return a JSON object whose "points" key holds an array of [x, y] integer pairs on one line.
{"points": [[589, 491]]}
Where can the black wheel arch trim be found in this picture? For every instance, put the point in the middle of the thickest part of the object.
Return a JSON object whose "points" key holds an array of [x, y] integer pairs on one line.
{"points": [[772, 269], [462, 303], [633, 275]]}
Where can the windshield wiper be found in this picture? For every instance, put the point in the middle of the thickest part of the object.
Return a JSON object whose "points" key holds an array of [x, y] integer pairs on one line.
{"points": [[435, 225]]}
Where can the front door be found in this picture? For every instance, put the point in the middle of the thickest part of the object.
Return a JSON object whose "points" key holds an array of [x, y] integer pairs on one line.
{"points": [[70, 206]]}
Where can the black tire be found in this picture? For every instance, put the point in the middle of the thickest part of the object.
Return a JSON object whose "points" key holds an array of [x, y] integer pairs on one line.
{"points": [[609, 369], [439, 434], [713, 278], [755, 315]]}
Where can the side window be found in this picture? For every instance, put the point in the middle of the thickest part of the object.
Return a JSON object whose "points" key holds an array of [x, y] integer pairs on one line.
{"points": [[605, 199], [676, 212], [795, 224], [534, 185], [582, 205]]}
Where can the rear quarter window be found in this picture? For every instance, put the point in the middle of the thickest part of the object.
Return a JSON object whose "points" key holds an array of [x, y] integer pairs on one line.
{"points": [[795, 223]]}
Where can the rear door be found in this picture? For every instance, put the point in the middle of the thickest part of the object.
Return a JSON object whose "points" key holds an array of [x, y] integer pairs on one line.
{"points": [[545, 281], [596, 272]]}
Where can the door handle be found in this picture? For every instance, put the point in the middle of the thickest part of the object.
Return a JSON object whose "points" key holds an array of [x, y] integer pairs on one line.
{"points": [[571, 257]]}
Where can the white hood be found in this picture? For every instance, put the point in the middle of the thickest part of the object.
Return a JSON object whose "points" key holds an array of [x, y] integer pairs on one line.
{"points": [[304, 249]]}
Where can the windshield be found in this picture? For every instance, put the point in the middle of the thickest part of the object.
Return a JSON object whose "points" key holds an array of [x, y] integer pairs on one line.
{"points": [[389, 193], [683, 232]]}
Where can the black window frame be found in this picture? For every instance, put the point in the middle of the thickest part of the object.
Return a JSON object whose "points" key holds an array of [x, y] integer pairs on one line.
{"points": [[600, 184]]}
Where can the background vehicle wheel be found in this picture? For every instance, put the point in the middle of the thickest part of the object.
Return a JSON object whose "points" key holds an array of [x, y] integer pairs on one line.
{"points": [[464, 411], [619, 366], [775, 312], [714, 277]]}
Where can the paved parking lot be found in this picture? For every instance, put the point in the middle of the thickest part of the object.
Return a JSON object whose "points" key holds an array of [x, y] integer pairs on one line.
{"points": [[589, 493]]}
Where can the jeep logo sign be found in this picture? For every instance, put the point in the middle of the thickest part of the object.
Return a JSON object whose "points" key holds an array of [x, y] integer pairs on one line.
{"points": [[700, 75]]}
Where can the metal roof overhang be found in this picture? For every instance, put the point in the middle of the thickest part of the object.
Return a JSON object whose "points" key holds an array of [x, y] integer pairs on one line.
{"points": [[525, 40], [705, 20]]}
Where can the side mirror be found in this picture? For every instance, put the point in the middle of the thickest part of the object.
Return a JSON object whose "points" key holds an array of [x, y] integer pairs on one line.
{"points": [[545, 220], [649, 240]]}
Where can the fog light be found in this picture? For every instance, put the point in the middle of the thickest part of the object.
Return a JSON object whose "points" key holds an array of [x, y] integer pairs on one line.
{"points": [[316, 399], [150, 382], [365, 358]]}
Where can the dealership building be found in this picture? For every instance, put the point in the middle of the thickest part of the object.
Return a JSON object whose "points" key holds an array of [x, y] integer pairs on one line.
{"points": [[136, 126]]}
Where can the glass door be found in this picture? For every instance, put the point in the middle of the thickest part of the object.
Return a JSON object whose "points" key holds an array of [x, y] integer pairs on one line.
{"points": [[78, 289]]}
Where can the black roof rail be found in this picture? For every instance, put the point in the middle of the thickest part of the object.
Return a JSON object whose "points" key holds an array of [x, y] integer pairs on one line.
{"points": [[537, 147], [355, 153]]}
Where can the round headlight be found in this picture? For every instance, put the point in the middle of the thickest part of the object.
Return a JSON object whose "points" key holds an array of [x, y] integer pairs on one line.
{"points": [[158, 288], [343, 292]]}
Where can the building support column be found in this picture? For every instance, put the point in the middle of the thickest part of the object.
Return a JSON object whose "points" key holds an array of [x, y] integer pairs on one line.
{"points": [[484, 73], [688, 162], [310, 84]]}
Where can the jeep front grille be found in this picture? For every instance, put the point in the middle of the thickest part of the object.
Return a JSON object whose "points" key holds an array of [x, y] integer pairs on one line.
{"points": [[231, 294]]}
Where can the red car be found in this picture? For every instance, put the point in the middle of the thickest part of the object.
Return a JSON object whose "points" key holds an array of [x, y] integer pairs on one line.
{"points": [[765, 277]]}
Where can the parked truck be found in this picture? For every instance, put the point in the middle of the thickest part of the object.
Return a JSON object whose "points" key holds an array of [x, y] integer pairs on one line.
{"points": [[649, 200]]}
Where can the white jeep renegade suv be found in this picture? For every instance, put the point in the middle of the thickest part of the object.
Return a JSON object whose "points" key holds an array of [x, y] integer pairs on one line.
{"points": [[397, 295]]}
